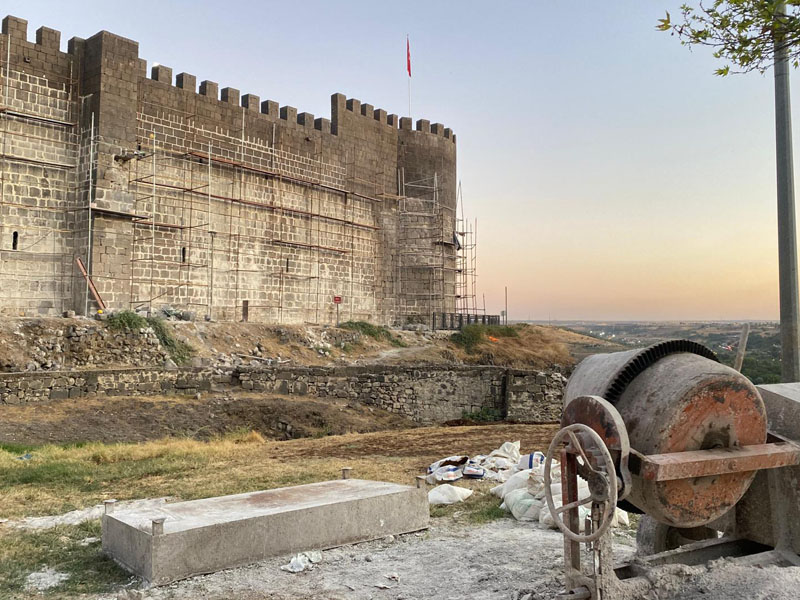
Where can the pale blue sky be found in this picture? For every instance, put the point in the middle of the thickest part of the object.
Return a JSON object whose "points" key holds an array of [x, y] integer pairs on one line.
{"points": [[612, 174]]}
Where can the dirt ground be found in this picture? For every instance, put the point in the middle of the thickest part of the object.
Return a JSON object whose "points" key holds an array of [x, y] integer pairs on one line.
{"points": [[504, 560], [455, 559], [138, 419], [28, 343]]}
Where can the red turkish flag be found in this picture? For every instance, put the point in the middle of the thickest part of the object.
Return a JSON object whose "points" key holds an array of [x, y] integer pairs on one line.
{"points": [[408, 56]]}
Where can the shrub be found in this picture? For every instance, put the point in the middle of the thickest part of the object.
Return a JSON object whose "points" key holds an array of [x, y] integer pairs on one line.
{"points": [[178, 351], [484, 415], [376, 332], [471, 335], [126, 320]]}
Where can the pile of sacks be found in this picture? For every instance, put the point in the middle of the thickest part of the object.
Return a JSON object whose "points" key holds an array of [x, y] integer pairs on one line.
{"points": [[523, 495], [520, 480], [498, 465]]}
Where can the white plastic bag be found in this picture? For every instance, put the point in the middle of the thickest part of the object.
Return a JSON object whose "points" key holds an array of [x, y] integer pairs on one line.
{"points": [[583, 490], [620, 518], [302, 562], [531, 461], [509, 451], [448, 494], [447, 473], [455, 461]]}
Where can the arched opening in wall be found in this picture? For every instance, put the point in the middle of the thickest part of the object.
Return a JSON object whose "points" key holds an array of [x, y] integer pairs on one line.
{"points": [[15, 240], [183, 254]]}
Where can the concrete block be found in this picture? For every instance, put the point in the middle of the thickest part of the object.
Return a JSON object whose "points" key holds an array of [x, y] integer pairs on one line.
{"points": [[204, 536]]}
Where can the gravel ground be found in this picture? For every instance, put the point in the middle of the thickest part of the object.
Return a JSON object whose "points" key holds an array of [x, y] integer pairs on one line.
{"points": [[503, 559]]}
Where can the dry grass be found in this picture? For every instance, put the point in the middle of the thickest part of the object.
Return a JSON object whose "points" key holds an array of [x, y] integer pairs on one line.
{"points": [[534, 346], [58, 479], [61, 478]]}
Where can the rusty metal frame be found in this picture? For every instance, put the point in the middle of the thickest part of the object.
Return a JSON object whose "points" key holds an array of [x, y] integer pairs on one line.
{"points": [[716, 461]]}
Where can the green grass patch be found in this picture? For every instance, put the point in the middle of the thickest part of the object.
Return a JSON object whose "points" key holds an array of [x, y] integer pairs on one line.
{"points": [[480, 507], [471, 335], [64, 549], [484, 415], [178, 351], [54, 472], [376, 332], [126, 320]]}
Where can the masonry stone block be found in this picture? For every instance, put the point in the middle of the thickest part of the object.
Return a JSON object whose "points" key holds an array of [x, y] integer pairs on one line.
{"points": [[48, 38], [230, 95], [270, 107], [289, 113], [210, 89], [161, 73], [185, 81], [251, 102]]}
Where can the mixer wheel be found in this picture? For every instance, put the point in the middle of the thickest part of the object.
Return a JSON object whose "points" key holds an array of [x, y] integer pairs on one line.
{"points": [[596, 466], [653, 537]]}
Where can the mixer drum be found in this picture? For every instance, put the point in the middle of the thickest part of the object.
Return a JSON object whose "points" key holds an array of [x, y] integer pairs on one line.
{"points": [[674, 403]]}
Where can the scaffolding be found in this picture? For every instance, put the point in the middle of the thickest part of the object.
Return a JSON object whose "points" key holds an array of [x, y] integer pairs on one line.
{"points": [[234, 228], [466, 262]]}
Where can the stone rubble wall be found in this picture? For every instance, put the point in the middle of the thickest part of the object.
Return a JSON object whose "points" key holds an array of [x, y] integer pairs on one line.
{"points": [[426, 395], [20, 388], [63, 344]]}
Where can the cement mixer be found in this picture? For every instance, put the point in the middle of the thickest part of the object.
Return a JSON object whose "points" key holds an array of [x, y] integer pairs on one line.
{"points": [[708, 459]]}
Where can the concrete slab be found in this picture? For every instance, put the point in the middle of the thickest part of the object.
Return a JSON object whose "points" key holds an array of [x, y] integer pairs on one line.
{"points": [[202, 536]]}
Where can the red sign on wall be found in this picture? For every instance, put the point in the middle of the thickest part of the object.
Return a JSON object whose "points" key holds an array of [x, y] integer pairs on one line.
{"points": [[337, 299]]}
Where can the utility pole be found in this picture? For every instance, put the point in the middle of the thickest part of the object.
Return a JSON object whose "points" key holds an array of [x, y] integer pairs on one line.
{"points": [[787, 240], [506, 313]]}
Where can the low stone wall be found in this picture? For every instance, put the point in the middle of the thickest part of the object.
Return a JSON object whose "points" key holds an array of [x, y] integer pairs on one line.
{"points": [[534, 397], [19, 388], [427, 395]]}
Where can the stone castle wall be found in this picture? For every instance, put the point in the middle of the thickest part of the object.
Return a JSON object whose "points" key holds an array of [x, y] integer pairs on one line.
{"points": [[211, 200], [426, 395]]}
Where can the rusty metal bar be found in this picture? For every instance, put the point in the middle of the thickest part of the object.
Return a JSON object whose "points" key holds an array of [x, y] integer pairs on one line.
{"points": [[89, 281], [717, 461]]}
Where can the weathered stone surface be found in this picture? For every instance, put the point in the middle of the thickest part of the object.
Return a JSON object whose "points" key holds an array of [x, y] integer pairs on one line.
{"points": [[203, 536], [426, 395]]}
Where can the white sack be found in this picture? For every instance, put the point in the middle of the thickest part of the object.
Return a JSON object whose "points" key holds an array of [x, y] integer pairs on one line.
{"points": [[516, 481], [509, 451], [522, 505], [448, 494]]}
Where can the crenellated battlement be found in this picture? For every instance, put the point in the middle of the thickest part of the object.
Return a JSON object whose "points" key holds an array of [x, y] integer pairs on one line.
{"points": [[48, 39], [290, 114]]}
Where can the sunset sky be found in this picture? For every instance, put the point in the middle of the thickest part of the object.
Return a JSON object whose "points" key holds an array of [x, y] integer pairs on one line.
{"points": [[613, 176]]}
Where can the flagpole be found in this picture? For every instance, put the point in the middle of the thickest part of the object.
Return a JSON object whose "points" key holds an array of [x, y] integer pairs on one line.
{"points": [[409, 96]]}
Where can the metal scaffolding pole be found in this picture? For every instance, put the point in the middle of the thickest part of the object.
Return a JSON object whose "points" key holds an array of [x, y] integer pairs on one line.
{"points": [[89, 216]]}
